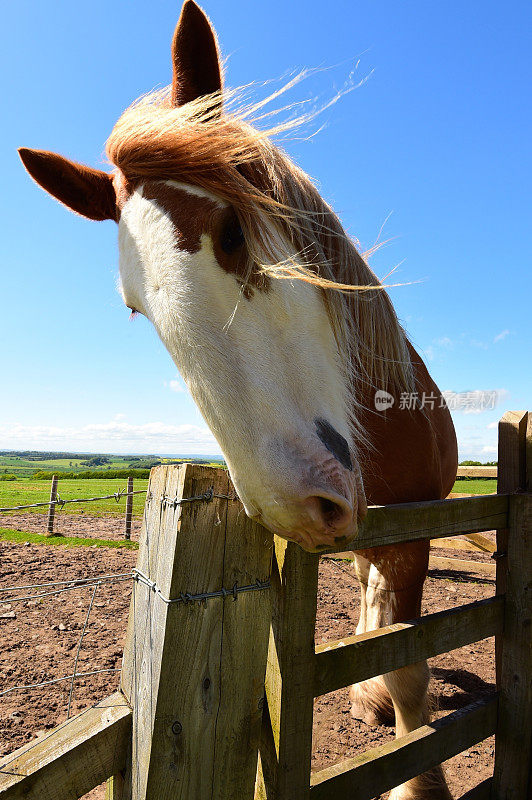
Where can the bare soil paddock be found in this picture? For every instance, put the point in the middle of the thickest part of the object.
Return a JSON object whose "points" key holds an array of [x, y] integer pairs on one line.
{"points": [[39, 641]]}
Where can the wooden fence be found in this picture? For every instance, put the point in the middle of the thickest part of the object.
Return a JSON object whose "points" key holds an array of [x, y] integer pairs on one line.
{"points": [[207, 633]]}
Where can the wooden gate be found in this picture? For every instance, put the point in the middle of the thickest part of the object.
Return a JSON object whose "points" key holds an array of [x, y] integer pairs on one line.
{"points": [[187, 721]]}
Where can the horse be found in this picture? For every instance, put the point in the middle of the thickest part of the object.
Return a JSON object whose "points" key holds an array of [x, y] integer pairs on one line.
{"points": [[288, 343]]}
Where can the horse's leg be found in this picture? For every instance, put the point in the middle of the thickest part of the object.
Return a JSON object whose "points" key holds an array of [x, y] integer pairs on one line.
{"points": [[394, 585], [370, 700]]}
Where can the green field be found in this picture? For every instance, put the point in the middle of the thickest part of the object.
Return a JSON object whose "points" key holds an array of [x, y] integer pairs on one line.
{"points": [[22, 492], [26, 464], [476, 486], [24, 467]]}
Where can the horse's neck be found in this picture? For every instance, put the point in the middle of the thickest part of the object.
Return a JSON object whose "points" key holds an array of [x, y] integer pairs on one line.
{"points": [[413, 454]]}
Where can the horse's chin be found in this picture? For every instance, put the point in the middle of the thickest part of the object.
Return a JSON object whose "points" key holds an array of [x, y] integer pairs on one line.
{"points": [[311, 541]]}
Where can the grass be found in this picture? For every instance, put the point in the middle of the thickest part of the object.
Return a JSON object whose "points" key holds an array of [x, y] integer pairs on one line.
{"points": [[476, 486], [64, 541], [24, 467], [23, 492]]}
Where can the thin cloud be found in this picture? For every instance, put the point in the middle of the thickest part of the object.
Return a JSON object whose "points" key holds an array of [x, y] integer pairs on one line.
{"points": [[175, 385], [502, 335], [113, 435]]}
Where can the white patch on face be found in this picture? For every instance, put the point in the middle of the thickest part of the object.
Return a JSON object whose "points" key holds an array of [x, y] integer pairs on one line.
{"points": [[260, 370], [197, 191]]}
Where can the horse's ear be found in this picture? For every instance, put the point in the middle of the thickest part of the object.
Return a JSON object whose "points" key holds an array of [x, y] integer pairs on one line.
{"points": [[87, 191], [195, 57]]}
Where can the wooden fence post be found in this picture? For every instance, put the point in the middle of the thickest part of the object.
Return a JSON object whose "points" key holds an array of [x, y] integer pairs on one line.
{"points": [[129, 508], [194, 670], [511, 477], [513, 741], [51, 507], [114, 787], [286, 743]]}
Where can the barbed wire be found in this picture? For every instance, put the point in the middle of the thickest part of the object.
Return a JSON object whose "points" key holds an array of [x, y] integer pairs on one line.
{"points": [[165, 500], [187, 597], [58, 501], [206, 497]]}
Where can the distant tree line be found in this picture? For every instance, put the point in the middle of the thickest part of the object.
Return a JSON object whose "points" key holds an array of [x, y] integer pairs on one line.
{"points": [[93, 474], [45, 455], [478, 464]]}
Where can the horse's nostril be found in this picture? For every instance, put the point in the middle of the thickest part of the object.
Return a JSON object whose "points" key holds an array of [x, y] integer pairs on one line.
{"points": [[335, 515], [331, 511]]}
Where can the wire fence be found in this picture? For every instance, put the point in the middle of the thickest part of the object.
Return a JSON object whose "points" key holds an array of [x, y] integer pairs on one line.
{"points": [[59, 501], [56, 501], [38, 591], [35, 592]]}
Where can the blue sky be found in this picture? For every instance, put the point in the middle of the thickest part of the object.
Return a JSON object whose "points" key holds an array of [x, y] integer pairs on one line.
{"points": [[438, 137]]}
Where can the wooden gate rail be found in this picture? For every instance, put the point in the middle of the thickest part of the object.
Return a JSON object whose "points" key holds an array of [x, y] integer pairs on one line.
{"points": [[72, 759], [430, 519], [408, 756], [476, 472], [472, 541], [460, 565], [357, 658]]}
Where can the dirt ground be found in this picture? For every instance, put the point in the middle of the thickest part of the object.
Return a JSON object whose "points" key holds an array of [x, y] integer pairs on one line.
{"points": [[39, 641], [81, 524]]}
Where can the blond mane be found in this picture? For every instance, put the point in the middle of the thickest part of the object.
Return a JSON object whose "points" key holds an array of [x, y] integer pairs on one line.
{"points": [[224, 153]]}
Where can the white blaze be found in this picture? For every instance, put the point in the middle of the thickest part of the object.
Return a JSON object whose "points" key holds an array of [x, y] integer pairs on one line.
{"points": [[261, 370]]}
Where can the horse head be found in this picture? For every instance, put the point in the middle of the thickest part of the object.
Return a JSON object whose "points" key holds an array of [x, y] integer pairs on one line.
{"points": [[211, 219]]}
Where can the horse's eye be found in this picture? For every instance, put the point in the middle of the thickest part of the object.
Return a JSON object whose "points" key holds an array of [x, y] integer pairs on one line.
{"points": [[232, 237]]}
